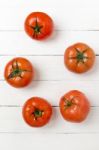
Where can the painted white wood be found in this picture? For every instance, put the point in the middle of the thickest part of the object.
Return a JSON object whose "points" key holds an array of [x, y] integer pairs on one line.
{"points": [[74, 21], [52, 68], [51, 3], [11, 121], [77, 15], [50, 90], [49, 141], [18, 43]]}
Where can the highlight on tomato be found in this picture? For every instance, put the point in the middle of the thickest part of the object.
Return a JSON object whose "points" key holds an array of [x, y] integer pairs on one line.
{"points": [[74, 106], [38, 25], [19, 72], [37, 112], [79, 58]]}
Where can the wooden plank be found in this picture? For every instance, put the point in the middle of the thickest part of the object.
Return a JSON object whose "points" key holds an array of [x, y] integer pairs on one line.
{"points": [[50, 90], [69, 15], [52, 80], [12, 121], [52, 68], [18, 43], [51, 3], [49, 141]]}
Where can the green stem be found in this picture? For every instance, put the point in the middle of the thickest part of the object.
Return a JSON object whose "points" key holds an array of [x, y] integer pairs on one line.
{"points": [[37, 113], [16, 71], [81, 55], [37, 28]]}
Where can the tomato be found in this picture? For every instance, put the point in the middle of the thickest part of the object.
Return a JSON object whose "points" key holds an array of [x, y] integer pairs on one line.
{"points": [[74, 106], [37, 112], [79, 58], [19, 72], [38, 25]]}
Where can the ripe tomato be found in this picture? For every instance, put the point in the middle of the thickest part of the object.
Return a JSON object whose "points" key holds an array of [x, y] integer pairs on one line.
{"points": [[74, 106], [37, 112], [79, 58], [38, 25], [19, 72]]}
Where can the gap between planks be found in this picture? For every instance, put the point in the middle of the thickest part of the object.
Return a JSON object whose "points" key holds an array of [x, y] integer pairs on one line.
{"points": [[18, 106], [57, 30], [45, 133], [34, 55]]}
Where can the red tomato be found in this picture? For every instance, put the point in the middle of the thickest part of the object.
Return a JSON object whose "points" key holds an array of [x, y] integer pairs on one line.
{"points": [[37, 112], [19, 72], [74, 106], [79, 58], [38, 25]]}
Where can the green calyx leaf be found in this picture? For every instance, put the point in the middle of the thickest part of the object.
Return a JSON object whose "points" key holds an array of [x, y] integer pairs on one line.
{"points": [[16, 71], [68, 103], [37, 113], [80, 56], [36, 29]]}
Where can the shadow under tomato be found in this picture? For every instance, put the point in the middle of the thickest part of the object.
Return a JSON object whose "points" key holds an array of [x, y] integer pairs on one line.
{"points": [[34, 83], [94, 69], [50, 38], [90, 123], [90, 73], [53, 121]]}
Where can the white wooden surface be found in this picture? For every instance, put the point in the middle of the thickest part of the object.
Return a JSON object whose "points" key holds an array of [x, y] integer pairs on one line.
{"points": [[75, 20]]}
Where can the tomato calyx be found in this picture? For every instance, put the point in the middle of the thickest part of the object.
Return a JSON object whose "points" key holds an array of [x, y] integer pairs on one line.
{"points": [[37, 29], [16, 71], [68, 102], [80, 56], [37, 113]]}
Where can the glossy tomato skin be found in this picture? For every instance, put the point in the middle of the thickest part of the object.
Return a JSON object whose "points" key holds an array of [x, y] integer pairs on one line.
{"points": [[74, 106], [37, 112], [19, 72], [38, 25], [79, 58]]}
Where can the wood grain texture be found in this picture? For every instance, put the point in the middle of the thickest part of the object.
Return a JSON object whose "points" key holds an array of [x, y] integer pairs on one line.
{"points": [[18, 43], [12, 121], [77, 15], [75, 21], [52, 68], [50, 90], [46, 141]]}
